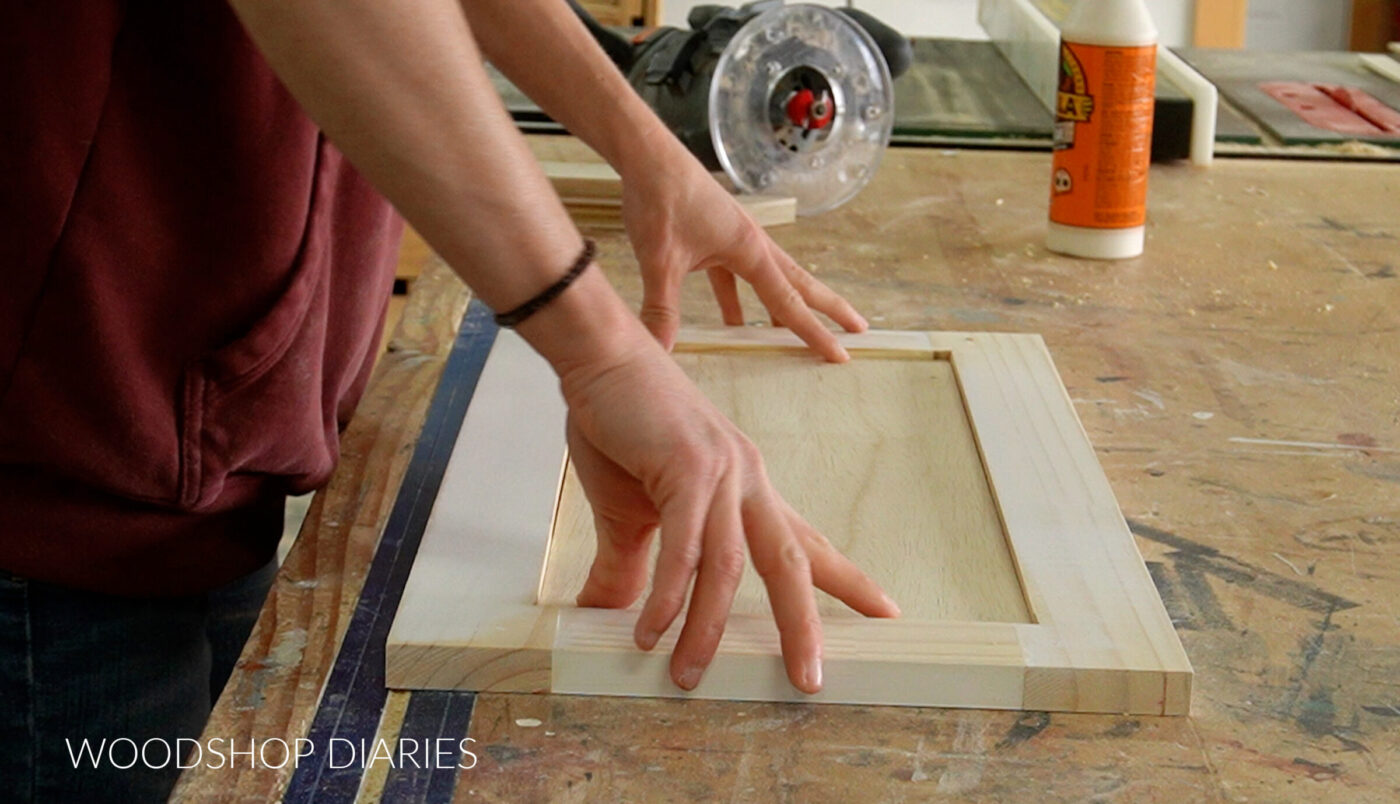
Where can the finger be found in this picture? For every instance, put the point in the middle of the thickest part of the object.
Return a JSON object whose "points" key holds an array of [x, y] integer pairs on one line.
{"points": [[721, 568], [727, 294], [782, 563], [822, 298], [838, 575], [786, 304], [682, 521], [619, 572], [661, 308]]}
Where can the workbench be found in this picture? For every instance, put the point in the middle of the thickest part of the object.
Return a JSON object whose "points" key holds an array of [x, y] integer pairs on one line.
{"points": [[1239, 382]]}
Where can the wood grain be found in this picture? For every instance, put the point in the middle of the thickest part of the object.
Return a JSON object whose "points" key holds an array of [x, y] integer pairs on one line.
{"points": [[877, 455], [890, 662], [1105, 642]]}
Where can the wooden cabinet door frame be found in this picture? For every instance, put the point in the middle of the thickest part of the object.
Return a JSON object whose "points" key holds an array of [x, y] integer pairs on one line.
{"points": [[1100, 639]]}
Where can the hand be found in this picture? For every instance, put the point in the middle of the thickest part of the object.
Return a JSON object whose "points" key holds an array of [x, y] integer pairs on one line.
{"points": [[681, 220], [650, 450]]}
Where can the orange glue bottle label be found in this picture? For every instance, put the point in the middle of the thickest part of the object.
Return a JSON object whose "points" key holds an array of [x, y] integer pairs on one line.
{"points": [[1103, 136]]}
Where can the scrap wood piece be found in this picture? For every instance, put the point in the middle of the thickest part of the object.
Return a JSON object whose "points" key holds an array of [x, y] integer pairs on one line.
{"points": [[592, 192], [592, 180], [766, 210]]}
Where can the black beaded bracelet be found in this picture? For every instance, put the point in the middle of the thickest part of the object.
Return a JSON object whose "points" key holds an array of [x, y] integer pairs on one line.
{"points": [[513, 318]]}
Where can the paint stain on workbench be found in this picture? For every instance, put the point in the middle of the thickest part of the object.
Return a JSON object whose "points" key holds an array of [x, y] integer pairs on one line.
{"points": [[1124, 728], [1247, 375], [968, 760], [1190, 602], [1334, 225], [975, 316], [1388, 471], [1294, 766], [1235, 571], [1026, 726], [1318, 714], [1317, 771], [506, 754], [285, 652], [866, 758], [1336, 689], [1357, 440]]}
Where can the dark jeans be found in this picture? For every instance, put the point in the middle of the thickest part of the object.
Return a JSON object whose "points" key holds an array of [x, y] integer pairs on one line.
{"points": [[78, 665]]}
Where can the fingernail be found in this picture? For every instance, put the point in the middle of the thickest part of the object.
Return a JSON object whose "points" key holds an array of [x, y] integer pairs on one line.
{"points": [[646, 638], [889, 601], [689, 678], [812, 675], [864, 324]]}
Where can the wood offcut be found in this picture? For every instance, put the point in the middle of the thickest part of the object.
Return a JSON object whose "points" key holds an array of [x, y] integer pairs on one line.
{"points": [[592, 193]]}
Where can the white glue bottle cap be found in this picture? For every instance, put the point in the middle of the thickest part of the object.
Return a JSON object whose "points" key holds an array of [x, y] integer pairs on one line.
{"points": [[1112, 24]]}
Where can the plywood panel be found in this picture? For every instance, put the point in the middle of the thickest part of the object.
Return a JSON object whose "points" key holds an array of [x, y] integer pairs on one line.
{"points": [[879, 457]]}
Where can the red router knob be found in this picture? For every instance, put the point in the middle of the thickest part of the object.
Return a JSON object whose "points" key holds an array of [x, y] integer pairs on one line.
{"points": [[805, 109]]}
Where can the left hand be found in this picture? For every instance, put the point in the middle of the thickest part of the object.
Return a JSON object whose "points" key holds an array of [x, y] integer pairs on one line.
{"points": [[681, 220]]}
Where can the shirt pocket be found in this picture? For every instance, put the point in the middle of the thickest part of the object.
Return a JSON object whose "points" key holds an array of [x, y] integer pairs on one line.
{"points": [[255, 407]]}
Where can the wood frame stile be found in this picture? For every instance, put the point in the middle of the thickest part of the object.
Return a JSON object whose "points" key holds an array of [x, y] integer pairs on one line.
{"points": [[1100, 640]]}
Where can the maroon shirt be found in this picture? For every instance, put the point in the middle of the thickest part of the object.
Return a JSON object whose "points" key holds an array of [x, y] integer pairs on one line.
{"points": [[192, 281]]}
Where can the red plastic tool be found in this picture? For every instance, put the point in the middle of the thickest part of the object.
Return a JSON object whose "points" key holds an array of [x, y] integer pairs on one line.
{"points": [[1334, 107]]}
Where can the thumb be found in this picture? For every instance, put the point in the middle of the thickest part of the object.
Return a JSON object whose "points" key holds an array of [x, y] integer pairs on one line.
{"points": [[661, 309]]}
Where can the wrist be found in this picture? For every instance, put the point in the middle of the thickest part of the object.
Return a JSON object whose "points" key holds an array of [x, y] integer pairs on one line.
{"points": [[587, 329], [650, 151]]}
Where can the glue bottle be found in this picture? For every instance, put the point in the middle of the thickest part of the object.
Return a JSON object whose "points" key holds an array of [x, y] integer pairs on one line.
{"points": [[1103, 130]]}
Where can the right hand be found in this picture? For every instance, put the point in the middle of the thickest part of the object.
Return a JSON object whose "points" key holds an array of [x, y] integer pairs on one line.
{"points": [[681, 220], [651, 450]]}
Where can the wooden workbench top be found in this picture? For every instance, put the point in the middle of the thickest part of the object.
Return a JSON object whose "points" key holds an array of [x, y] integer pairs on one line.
{"points": [[1240, 384]]}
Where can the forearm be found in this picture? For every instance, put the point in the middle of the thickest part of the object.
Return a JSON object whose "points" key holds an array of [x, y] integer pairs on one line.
{"points": [[401, 90], [576, 83]]}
